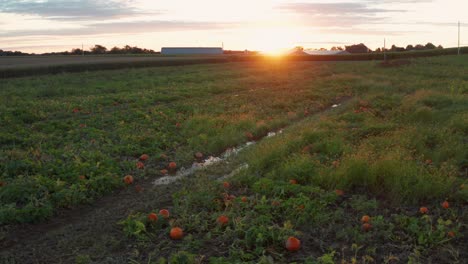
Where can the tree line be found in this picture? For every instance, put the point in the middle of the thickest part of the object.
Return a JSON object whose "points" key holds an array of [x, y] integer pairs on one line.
{"points": [[96, 50], [361, 48]]}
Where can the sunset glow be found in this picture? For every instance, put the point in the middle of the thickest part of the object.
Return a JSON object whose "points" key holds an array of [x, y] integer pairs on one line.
{"points": [[268, 26]]}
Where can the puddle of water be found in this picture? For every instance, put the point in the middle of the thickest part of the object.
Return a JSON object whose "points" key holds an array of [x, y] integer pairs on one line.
{"points": [[183, 172]]}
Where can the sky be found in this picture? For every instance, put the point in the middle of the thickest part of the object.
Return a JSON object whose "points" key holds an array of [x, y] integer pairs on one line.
{"points": [[57, 25]]}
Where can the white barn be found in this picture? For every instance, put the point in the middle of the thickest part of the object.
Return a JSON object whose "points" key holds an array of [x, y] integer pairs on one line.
{"points": [[191, 51], [326, 52]]}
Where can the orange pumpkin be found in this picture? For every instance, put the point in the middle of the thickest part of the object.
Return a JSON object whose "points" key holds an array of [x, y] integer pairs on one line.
{"points": [[172, 165], [176, 233], [423, 210], [293, 181], [244, 199], [365, 219], [366, 227], [451, 234], [140, 165], [144, 157], [445, 204], [339, 192], [152, 217], [293, 244], [163, 171], [226, 185], [128, 179], [164, 213], [223, 220]]}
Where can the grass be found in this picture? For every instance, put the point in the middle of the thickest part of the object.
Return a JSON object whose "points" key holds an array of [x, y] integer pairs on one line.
{"points": [[397, 143]]}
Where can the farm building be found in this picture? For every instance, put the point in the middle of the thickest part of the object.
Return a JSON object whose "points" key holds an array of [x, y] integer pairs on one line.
{"points": [[326, 52], [191, 51]]}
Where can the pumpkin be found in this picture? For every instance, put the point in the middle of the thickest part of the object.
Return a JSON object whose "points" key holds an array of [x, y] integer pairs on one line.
{"points": [[128, 179], [451, 234], [366, 227], [172, 165], [144, 157], [423, 210], [445, 204], [244, 199], [293, 181], [339, 192], [163, 171], [365, 219], [176, 233], [226, 185], [223, 220], [138, 188], [293, 244], [164, 213], [199, 155], [140, 165], [152, 217]]}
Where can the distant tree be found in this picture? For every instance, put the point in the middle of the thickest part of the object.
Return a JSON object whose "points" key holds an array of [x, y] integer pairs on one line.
{"points": [[359, 48], [419, 47], [440, 47], [336, 48], [409, 47], [430, 46], [298, 48], [76, 52], [98, 49], [322, 49], [115, 50], [13, 53], [396, 49], [378, 50]]}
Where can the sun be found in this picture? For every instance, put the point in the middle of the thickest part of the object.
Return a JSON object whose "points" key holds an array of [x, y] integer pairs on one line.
{"points": [[274, 41]]}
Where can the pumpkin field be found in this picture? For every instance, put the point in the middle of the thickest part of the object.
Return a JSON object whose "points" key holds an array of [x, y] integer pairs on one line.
{"points": [[266, 161]]}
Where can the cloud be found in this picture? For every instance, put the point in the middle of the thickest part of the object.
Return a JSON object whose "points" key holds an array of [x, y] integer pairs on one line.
{"points": [[121, 28], [343, 15], [334, 9], [71, 9]]}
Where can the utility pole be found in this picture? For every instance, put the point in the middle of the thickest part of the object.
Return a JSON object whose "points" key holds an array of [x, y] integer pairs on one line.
{"points": [[458, 37], [384, 50], [82, 49]]}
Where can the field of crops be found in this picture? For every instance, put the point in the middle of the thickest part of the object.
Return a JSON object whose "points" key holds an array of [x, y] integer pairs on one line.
{"points": [[370, 165], [20, 66]]}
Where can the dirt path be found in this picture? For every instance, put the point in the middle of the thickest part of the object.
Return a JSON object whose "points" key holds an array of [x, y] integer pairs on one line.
{"points": [[92, 230]]}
